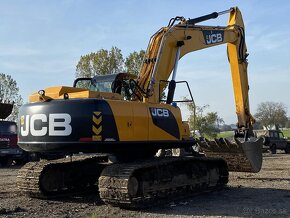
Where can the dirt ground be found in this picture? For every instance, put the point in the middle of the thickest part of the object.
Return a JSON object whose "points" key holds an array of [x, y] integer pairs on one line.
{"points": [[266, 194]]}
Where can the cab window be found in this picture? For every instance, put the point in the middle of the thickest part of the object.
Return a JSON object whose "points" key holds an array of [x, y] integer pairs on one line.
{"points": [[281, 135], [102, 86], [275, 135], [8, 128]]}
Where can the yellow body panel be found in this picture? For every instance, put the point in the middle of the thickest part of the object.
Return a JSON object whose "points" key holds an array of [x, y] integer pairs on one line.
{"points": [[123, 115], [134, 121], [185, 134], [140, 121], [58, 92]]}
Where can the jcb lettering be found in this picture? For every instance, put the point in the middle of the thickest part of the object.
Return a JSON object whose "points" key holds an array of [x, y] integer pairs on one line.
{"points": [[159, 112], [43, 130], [53, 125], [24, 122], [214, 38]]}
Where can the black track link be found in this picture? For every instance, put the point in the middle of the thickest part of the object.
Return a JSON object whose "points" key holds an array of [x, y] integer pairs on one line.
{"points": [[79, 175], [161, 180]]}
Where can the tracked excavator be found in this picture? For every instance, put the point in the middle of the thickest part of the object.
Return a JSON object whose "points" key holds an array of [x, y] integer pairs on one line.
{"points": [[125, 116]]}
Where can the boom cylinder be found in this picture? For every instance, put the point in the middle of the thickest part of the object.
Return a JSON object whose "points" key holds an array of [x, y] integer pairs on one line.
{"points": [[207, 17], [172, 84]]}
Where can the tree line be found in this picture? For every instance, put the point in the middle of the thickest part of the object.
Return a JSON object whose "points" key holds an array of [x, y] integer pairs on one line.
{"points": [[112, 61], [269, 115]]}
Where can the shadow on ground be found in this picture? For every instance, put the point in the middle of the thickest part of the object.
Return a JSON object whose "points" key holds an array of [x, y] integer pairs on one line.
{"points": [[86, 198], [233, 201]]}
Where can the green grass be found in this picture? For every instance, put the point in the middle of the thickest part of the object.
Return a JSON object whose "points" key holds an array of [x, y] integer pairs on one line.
{"points": [[286, 132], [225, 134]]}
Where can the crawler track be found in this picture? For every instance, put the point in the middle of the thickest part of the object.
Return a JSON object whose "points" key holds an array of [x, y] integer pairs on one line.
{"points": [[132, 185], [141, 184], [57, 178]]}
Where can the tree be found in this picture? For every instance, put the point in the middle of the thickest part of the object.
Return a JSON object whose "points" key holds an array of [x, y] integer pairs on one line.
{"points": [[9, 92], [101, 62], [272, 114], [134, 62], [287, 125], [225, 127], [105, 62], [207, 124]]}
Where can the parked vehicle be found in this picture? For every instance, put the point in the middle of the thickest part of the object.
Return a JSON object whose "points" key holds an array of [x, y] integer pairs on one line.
{"points": [[274, 139], [9, 150]]}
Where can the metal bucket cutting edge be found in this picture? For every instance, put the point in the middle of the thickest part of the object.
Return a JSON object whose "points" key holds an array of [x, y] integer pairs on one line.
{"points": [[241, 156]]}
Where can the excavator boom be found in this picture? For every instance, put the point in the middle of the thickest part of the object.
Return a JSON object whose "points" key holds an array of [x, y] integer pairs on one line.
{"points": [[171, 43]]}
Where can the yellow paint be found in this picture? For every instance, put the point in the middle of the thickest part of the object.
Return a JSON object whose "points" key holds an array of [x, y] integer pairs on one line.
{"points": [[97, 131], [97, 113], [96, 120], [123, 114], [140, 121], [141, 126], [22, 120], [97, 138], [185, 130], [58, 92], [97, 128]]}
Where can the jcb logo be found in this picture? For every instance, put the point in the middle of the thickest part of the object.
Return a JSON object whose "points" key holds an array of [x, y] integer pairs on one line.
{"points": [[159, 112], [41, 125], [214, 36]]}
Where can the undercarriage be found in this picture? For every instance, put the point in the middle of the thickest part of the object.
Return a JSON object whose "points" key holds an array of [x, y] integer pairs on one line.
{"points": [[136, 184]]}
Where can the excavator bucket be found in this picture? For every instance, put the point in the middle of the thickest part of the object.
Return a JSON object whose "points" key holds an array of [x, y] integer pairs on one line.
{"points": [[241, 155], [5, 110]]}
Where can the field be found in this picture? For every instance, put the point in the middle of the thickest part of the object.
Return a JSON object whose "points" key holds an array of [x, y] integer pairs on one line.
{"points": [[265, 194], [286, 133], [226, 134]]}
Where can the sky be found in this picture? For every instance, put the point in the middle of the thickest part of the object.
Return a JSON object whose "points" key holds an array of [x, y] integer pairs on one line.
{"points": [[41, 43]]}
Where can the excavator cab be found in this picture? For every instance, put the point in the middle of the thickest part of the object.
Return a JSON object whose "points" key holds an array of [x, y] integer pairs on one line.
{"points": [[114, 83]]}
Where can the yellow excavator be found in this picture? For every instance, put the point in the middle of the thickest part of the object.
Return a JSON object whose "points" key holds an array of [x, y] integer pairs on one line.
{"points": [[125, 116]]}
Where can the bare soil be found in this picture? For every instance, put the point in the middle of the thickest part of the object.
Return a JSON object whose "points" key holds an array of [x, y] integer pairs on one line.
{"points": [[265, 194]]}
